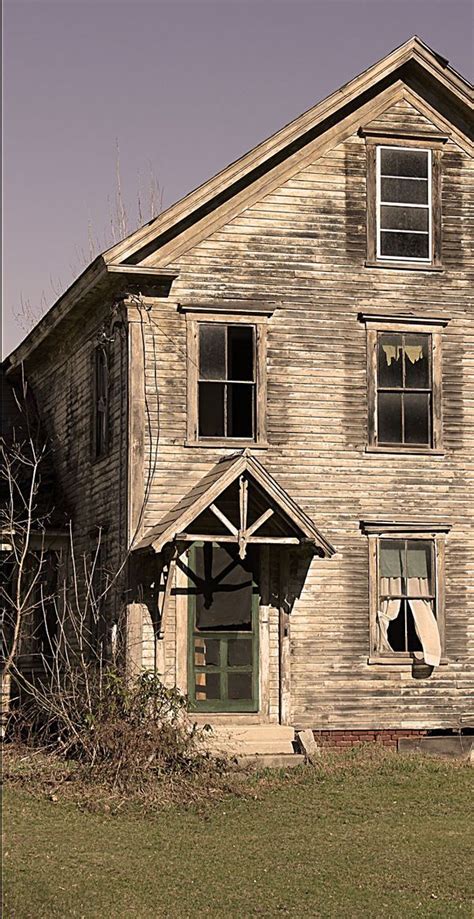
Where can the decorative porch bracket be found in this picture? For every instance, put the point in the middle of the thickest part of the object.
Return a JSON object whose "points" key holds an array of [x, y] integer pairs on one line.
{"points": [[243, 534]]}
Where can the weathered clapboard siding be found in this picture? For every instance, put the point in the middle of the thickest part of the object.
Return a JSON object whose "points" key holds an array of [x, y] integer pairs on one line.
{"points": [[303, 247], [93, 492]]}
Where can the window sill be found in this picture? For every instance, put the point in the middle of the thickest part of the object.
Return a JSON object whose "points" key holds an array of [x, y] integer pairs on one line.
{"points": [[403, 266], [400, 661], [401, 450], [228, 443]]}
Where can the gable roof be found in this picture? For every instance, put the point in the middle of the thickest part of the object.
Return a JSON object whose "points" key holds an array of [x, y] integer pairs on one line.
{"points": [[213, 484], [413, 64]]}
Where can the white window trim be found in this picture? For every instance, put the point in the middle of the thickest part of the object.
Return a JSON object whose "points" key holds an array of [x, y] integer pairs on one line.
{"points": [[378, 204]]}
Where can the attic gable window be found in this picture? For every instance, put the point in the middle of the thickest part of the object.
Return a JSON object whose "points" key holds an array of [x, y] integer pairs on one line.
{"points": [[404, 199], [226, 379], [404, 203]]}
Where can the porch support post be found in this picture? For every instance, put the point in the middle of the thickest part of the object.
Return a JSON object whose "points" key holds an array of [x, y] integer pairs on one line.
{"points": [[264, 633], [284, 622]]}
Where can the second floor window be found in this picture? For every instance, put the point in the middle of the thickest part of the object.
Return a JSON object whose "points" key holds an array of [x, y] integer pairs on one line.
{"points": [[404, 203], [226, 381], [404, 389]]}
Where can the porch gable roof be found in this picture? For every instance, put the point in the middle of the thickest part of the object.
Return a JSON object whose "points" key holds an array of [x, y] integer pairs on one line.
{"points": [[213, 484]]}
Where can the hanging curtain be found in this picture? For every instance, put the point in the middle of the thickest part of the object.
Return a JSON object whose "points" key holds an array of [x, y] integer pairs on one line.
{"points": [[425, 623], [389, 610]]}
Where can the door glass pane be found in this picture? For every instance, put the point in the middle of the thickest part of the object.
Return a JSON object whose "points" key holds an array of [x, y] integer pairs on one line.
{"points": [[404, 245], [208, 686], [406, 191], [417, 418], [240, 351], [389, 418], [239, 652], [404, 218], [212, 351], [397, 162], [239, 685], [207, 652], [417, 375], [390, 360], [211, 409], [240, 400], [224, 589]]}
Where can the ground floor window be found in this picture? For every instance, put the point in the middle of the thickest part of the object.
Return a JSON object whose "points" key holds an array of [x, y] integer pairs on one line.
{"points": [[406, 585]]}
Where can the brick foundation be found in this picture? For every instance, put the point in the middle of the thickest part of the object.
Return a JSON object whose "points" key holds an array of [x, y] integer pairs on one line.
{"points": [[343, 739]]}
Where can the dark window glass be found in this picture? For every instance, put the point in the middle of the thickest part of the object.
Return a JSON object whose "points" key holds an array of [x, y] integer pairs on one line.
{"points": [[417, 418], [404, 389], [404, 245], [390, 418], [212, 352], [211, 409], [397, 162], [207, 652], [404, 191], [403, 215], [227, 354], [404, 218]]}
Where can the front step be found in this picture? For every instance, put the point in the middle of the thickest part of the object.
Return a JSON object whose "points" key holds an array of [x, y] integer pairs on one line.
{"points": [[271, 761], [251, 739]]}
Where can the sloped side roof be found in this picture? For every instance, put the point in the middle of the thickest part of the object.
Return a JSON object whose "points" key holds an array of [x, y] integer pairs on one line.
{"points": [[208, 489]]}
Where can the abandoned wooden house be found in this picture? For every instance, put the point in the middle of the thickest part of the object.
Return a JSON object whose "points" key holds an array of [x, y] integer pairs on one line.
{"points": [[264, 399]]}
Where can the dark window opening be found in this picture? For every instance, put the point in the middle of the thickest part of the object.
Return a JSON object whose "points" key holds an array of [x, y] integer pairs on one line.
{"points": [[101, 402], [227, 378], [404, 389]]}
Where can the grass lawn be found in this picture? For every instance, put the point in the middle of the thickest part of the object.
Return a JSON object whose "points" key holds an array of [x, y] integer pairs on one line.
{"points": [[371, 838]]}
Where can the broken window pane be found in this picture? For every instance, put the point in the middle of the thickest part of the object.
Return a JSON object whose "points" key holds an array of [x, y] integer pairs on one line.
{"points": [[211, 409], [417, 370], [224, 590], [390, 361], [208, 686], [240, 352], [212, 352], [389, 418], [207, 652], [240, 398], [417, 418]]}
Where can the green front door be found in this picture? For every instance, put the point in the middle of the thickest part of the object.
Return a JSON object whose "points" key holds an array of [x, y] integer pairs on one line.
{"points": [[223, 629]]}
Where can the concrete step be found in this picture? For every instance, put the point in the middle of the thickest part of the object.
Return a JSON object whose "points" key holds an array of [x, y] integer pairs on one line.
{"points": [[271, 760], [251, 739]]}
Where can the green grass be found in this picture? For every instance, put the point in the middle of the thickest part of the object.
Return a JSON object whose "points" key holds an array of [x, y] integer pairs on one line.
{"points": [[372, 838]]}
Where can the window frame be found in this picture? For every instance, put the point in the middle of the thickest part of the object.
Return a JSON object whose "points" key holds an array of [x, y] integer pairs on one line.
{"points": [[259, 324], [379, 203], [404, 324], [433, 144], [428, 532]]}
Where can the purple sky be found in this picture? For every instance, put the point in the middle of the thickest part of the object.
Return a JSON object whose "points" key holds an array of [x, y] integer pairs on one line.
{"points": [[184, 86]]}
